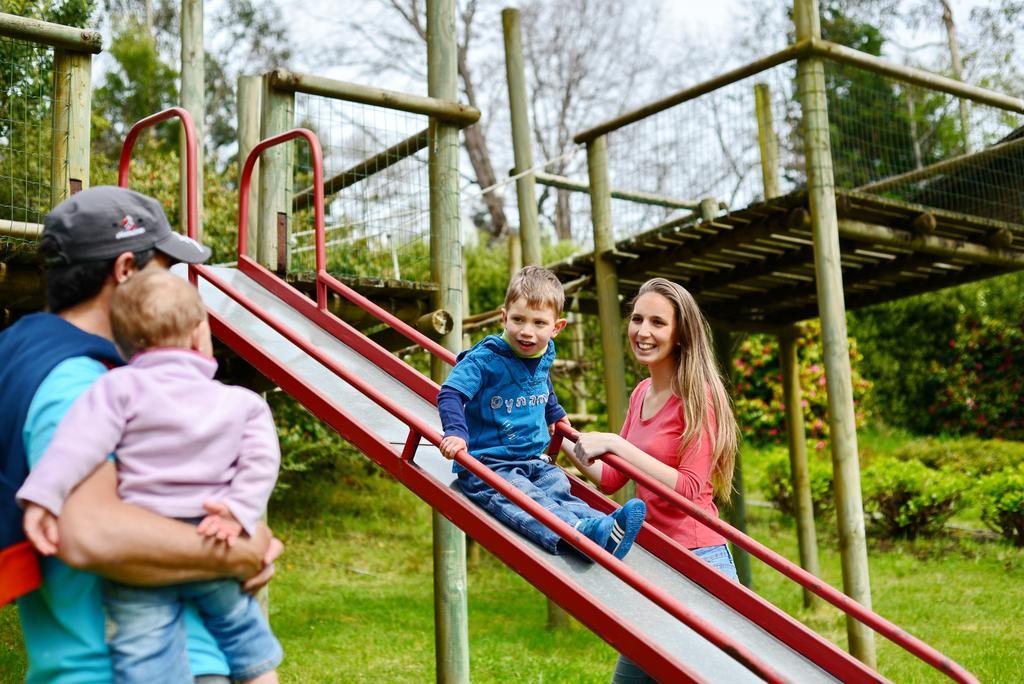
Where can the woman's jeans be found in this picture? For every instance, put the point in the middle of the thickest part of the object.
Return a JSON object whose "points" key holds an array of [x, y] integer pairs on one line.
{"points": [[718, 557]]}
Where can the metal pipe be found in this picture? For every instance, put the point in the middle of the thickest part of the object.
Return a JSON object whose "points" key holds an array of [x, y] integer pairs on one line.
{"points": [[54, 35], [565, 183], [445, 110]]}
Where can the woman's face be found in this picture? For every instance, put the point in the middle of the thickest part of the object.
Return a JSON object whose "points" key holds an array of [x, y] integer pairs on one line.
{"points": [[652, 330]]}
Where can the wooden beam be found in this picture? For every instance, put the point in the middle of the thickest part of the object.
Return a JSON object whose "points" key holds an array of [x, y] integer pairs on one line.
{"points": [[950, 248]]}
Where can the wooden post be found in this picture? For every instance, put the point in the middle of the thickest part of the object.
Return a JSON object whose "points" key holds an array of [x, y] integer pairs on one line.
{"points": [[767, 140], [526, 188], [515, 254], [799, 473], [275, 207], [737, 511], [451, 631], [249, 90], [193, 98], [607, 285], [829, 278], [72, 112]]}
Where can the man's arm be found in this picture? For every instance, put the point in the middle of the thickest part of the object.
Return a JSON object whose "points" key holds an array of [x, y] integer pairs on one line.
{"points": [[102, 534]]}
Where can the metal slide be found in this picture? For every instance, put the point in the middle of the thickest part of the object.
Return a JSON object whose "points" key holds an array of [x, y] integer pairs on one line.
{"points": [[643, 617], [674, 615]]}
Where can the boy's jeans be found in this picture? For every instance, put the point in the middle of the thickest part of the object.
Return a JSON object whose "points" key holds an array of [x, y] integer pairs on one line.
{"points": [[147, 643], [544, 483]]}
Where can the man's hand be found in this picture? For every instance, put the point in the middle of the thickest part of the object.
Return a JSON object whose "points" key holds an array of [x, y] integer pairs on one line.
{"points": [[266, 573], [219, 524], [564, 421], [452, 445], [41, 529]]}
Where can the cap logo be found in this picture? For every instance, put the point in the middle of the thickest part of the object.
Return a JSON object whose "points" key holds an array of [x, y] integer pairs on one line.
{"points": [[129, 228]]}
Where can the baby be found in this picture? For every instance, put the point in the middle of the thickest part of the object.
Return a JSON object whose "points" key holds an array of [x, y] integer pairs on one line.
{"points": [[187, 447]]}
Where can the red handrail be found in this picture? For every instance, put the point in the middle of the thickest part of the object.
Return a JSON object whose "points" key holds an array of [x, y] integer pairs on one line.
{"points": [[191, 172], [895, 634], [323, 278]]}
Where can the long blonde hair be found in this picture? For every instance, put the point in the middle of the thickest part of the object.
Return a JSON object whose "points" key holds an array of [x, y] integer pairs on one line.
{"points": [[697, 375]]}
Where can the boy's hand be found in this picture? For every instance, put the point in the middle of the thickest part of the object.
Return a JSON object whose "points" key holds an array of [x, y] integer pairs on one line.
{"points": [[41, 529], [220, 524], [552, 426], [452, 445]]}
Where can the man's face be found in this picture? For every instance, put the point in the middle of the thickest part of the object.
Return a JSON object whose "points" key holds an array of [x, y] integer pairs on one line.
{"points": [[529, 328]]}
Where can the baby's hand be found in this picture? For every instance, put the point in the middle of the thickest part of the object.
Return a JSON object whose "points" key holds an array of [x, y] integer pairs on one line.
{"points": [[452, 445], [220, 524], [41, 529]]}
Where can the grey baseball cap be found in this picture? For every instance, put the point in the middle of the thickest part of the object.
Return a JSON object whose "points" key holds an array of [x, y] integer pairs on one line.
{"points": [[105, 221]]}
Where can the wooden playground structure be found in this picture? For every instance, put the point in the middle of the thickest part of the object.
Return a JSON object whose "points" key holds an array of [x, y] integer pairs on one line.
{"points": [[813, 251]]}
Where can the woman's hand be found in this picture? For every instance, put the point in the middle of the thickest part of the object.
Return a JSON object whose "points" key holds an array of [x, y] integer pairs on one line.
{"points": [[592, 445]]}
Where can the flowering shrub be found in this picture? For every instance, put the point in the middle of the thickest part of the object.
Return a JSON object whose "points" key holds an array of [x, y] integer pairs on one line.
{"points": [[760, 408], [1001, 496], [980, 381]]}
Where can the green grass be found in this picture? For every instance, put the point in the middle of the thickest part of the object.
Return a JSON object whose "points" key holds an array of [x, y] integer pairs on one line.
{"points": [[353, 597]]}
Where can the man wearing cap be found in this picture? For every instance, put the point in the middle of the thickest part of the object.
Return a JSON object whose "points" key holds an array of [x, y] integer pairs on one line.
{"points": [[91, 243]]}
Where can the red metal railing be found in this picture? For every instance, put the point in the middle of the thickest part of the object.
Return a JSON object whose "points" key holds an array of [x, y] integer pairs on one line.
{"points": [[895, 634], [191, 194]]}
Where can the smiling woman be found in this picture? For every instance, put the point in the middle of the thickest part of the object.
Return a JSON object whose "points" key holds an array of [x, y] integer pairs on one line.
{"points": [[679, 427]]}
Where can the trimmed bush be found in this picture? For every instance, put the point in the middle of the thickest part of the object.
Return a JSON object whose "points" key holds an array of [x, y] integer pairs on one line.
{"points": [[779, 485], [1001, 498], [907, 499], [969, 455]]}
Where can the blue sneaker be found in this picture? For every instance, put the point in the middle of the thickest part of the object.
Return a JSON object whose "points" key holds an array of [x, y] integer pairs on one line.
{"points": [[628, 521], [597, 530]]}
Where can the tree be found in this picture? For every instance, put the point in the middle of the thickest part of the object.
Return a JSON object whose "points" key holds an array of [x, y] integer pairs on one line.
{"points": [[584, 59]]}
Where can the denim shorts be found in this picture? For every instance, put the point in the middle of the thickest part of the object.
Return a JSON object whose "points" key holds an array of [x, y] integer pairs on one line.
{"points": [[147, 630]]}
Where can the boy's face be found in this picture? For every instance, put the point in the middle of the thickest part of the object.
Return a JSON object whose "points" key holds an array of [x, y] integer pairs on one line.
{"points": [[529, 329]]}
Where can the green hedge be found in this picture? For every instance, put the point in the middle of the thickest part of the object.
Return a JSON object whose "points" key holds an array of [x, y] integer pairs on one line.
{"points": [[970, 455], [1001, 498], [779, 485], [907, 499]]}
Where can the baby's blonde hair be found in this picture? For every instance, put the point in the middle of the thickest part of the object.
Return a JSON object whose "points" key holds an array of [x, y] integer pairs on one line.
{"points": [[154, 308], [539, 287]]}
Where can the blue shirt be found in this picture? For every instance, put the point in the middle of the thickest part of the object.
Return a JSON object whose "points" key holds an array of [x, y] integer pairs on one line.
{"points": [[506, 407], [63, 621]]}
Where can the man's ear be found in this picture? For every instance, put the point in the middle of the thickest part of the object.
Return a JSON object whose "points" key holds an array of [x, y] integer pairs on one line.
{"points": [[559, 326], [124, 267]]}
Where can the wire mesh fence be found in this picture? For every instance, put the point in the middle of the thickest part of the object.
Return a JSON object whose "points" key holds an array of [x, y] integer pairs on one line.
{"points": [[891, 139], [377, 201], [26, 134], [906, 143], [703, 148]]}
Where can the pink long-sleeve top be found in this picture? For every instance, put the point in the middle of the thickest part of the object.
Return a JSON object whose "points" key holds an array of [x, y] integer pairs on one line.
{"points": [[660, 436], [181, 438]]}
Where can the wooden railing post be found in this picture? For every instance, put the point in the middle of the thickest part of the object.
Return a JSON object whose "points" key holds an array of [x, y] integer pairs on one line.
{"points": [[72, 123], [832, 308], [799, 473], [276, 173], [249, 91], [451, 619]]}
